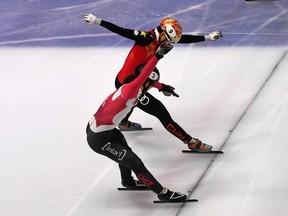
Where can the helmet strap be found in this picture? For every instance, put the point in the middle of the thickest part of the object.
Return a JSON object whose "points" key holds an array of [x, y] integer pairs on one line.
{"points": [[157, 33], [159, 29]]}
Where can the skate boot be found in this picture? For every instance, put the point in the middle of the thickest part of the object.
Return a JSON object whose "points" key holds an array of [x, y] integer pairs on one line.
{"points": [[129, 126], [135, 185], [199, 146], [170, 196]]}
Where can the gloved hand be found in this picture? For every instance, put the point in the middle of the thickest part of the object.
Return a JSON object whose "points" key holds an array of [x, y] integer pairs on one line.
{"points": [[213, 36], [168, 90], [164, 48], [91, 19]]}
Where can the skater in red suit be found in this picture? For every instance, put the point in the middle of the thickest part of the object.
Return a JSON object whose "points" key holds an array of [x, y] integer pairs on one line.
{"points": [[145, 46], [104, 138]]}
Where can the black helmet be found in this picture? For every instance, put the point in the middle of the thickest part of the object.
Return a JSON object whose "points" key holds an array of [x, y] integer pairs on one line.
{"points": [[153, 77]]}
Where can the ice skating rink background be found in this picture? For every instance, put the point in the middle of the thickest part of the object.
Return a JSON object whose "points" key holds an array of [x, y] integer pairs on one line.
{"points": [[55, 70]]}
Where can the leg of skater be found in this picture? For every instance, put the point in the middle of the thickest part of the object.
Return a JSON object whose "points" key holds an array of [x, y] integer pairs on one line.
{"points": [[113, 145], [155, 107]]}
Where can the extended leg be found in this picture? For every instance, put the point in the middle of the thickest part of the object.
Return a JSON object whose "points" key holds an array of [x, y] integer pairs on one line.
{"points": [[156, 108]]}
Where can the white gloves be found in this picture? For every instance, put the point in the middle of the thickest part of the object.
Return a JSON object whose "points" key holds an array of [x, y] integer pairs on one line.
{"points": [[213, 36], [91, 19]]}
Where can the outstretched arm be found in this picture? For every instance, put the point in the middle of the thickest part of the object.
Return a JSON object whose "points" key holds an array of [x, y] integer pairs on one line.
{"points": [[141, 37], [200, 38], [127, 33], [191, 39]]}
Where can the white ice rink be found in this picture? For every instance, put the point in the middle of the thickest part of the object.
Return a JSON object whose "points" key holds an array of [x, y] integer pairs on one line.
{"points": [[235, 98]]}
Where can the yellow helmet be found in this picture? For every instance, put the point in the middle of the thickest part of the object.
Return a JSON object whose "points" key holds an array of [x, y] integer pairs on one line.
{"points": [[172, 28]]}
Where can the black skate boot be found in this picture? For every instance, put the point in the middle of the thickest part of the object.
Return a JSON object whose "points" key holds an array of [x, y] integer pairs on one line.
{"points": [[170, 196], [129, 126], [135, 185]]}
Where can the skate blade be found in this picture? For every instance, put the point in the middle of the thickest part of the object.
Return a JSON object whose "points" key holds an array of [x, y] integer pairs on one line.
{"points": [[140, 129], [196, 152], [169, 202], [134, 189]]}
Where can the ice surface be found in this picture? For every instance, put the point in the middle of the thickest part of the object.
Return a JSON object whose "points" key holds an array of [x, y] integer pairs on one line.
{"points": [[233, 95], [48, 95]]}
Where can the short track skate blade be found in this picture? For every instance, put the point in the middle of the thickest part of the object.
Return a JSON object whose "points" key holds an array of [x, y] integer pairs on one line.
{"points": [[133, 189], [141, 129], [169, 202], [196, 152]]}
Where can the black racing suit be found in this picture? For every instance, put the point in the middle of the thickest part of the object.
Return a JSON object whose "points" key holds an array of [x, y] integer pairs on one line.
{"points": [[104, 138]]}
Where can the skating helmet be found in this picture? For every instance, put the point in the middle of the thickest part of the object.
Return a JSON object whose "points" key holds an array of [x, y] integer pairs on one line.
{"points": [[153, 77], [172, 28]]}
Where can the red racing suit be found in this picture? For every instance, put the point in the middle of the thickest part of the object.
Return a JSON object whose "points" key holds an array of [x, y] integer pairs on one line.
{"points": [[120, 102], [145, 46], [105, 139]]}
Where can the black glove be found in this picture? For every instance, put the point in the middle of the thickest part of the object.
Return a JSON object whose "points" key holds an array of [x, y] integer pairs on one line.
{"points": [[168, 90], [164, 48]]}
